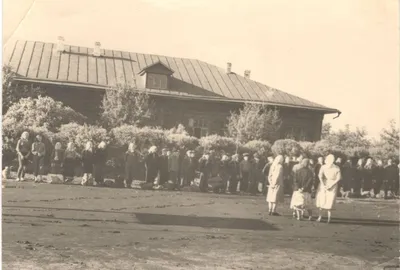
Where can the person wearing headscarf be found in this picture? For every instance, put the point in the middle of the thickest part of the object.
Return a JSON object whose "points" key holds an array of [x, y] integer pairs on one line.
{"points": [[173, 167], [99, 162], [57, 159], [329, 176], [23, 151], [275, 190], [131, 164], [367, 186], [265, 173], [246, 169], [71, 160], [205, 168], [152, 165], [391, 174], [378, 174], [234, 173], [38, 152], [189, 167], [303, 179], [87, 163]]}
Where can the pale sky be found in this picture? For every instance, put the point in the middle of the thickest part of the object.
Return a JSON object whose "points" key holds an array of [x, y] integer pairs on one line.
{"points": [[342, 54]]}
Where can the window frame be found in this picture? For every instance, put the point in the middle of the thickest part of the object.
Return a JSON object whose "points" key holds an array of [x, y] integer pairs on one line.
{"points": [[153, 78]]}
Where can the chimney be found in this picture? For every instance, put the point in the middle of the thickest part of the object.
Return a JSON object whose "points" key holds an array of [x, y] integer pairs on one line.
{"points": [[247, 74], [228, 68], [60, 44], [97, 51]]}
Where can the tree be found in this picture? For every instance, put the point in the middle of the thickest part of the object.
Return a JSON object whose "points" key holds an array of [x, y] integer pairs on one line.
{"points": [[254, 122], [390, 136], [326, 130], [43, 112], [346, 138], [14, 91], [122, 105]]}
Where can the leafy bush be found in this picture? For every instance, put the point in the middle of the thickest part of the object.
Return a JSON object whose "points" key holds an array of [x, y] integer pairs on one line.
{"points": [[262, 148], [40, 112], [219, 144], [307, 149], [286, 147], [179, 138], [80, 134]]}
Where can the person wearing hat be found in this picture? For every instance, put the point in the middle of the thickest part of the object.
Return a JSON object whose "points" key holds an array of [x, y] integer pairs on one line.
{"points": [[234, 170], [152, 165], [205, 168], [189, 166], [245, 172], [163, 163], [38, 152]]}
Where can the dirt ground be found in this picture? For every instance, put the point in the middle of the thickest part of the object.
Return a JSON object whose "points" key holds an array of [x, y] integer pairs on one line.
{"points": [[73, 227]]}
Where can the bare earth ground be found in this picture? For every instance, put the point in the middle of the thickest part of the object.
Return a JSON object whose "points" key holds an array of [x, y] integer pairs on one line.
{"points": [[73, 227]]}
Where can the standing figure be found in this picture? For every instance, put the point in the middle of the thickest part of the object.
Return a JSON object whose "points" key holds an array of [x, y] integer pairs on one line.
{"points": [[245, 172], [99, 162], [348, 174], [358, 178], [189, 167], [390, 178], [205, 168], [275, 190], [224, 171], [71, 161], [234, 172], [257, 176], [152, 165], [265, 173], [303, 182], [131, 164], [163, 167], [38, 152], [173, 167], [57, 160], [378, 174], [317, 168], [87, 164], [287, 175], [23, 151], [329, 176], [367, 186]]}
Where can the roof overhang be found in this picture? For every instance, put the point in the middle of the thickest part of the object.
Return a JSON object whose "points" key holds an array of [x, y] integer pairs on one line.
{"points": [[177, 95]]}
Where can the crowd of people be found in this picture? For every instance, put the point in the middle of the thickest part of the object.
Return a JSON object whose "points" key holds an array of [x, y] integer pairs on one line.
{"points": [[245, 173]]}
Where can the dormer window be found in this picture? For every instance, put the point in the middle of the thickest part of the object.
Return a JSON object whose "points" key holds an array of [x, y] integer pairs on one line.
{"points": [[156, 76], [157, 81]]}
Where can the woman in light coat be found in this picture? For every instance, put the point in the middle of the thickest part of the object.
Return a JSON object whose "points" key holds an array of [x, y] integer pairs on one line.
{"points": [[275, 190], [329, 176]]}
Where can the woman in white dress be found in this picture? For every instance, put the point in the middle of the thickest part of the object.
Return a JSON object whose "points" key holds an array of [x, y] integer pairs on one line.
{"points": [[329, 176], [275, 190]]}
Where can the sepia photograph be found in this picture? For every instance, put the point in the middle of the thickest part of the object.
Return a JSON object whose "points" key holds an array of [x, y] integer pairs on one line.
{"points": [[200, 134]]}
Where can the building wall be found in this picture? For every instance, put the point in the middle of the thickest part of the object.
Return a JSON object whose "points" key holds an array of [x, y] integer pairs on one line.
{"points": [[211, 117]]}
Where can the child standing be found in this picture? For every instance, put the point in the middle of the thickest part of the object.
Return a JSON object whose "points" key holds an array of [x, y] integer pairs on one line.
{"points": [[38, 152]]}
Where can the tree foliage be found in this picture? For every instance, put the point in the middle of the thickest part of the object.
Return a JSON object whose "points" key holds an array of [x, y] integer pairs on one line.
{"points": [[286, 147], [254, 122], [14, 91], [40, 112], [122, 105], [390, 135]]}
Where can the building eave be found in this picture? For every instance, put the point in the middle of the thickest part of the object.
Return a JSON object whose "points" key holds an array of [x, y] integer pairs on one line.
{"points": [[175, 95]]}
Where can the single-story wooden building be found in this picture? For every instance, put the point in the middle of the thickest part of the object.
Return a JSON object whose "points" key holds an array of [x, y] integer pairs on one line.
{"points": [[197, 94]]}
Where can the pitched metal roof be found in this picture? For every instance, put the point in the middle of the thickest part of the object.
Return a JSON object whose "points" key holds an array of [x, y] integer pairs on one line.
{"points": [[195, 79]]}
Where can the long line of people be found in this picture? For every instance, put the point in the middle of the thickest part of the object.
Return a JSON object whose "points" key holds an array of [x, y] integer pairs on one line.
{"points": [[237, 173]]}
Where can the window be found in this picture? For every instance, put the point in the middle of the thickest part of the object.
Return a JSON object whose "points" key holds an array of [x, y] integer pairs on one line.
{"points": [[200, 128], [296, 133], [157, 81]]}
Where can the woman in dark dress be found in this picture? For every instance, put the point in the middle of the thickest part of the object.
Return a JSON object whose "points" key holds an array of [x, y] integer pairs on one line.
{"points": [[224, 172], [367, 185], [189, 167], [378, 175], [23, 151], [152, 165], [38, 153], [99, 162], [87, 163], [205, 168], [131, 164], [358, 178], [57, 159], [234, 171], [71, 161]]}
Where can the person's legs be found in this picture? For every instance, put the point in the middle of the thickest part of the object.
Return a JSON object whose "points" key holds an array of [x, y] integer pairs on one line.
{"points": [[329, 216], [319, 215], [36, 167], [20, 167], [41, 165], [309, 214]]}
